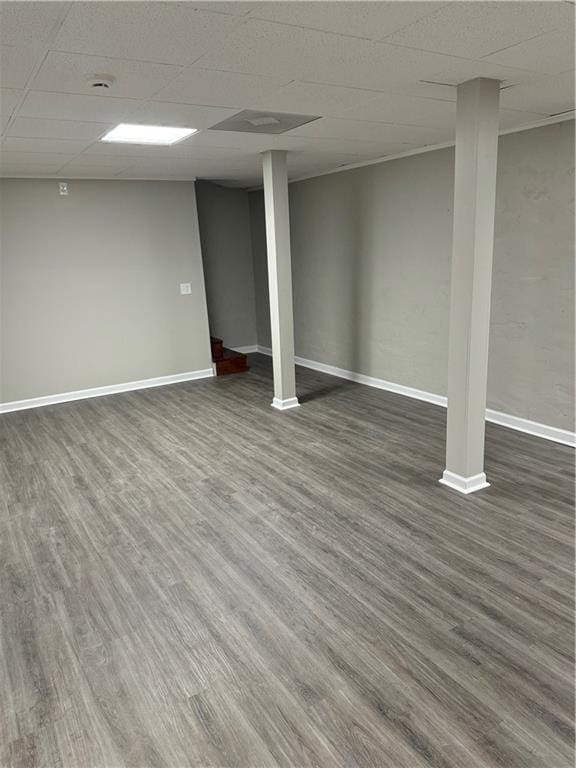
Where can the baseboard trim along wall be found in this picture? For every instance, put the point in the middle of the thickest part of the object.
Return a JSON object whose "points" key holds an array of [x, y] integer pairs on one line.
{"points": [[250, 349], [495, 417], [113, 389]]}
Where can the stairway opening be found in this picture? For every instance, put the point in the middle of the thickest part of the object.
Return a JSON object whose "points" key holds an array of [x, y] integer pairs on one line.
{"points": [[227, 360]]}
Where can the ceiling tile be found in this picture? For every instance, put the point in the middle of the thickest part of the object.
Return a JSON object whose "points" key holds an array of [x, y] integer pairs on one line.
{"points": [[261, 47], [365, 150], [393, 108], [22, 23], [433, 114], [548, 54], [13, 160], [513, 118], [459, 71], [242, 164], [362, 19], [58, 146], [68, 106], [83, 161], [249, 142], [186, 115], [308, 157], [27, 172], [89, 172], [174, 33], [104, 149], [324, 100], [357, 64], [258, 143], [430, 113], [425, 90], [8, 100], [163, 168], [70, 73], [316, 160], [475, 29], [387, 145], [213, 87], [16, 65], [235, 7], [195, 165], [156, 176], [300, 165], [370, 131], [90, 166], [31, 160], [167, 165], [183, 149], [31, 127], [548, 95]]}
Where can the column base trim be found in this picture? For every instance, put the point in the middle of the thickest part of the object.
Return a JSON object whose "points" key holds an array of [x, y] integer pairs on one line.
{"points": [[284, 405], [464, 484]]}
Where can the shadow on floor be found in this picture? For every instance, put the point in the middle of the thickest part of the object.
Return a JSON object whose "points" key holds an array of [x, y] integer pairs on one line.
{"points": [[317, 394]]}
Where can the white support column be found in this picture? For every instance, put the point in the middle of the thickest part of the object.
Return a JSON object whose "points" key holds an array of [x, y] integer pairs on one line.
{"points": [[472, 249], [280, 278]]}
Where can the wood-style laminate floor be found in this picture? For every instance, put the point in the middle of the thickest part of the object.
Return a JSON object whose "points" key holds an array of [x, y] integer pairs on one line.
{"points": [[190, 578]]}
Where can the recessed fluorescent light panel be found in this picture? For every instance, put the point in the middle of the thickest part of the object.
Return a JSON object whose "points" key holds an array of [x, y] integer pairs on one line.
{"points": [[126, 133]]}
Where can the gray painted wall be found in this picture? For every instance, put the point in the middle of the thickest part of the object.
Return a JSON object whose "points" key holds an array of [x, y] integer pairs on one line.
{"points": [[371, 271], [90, 285], [227, 253], [531, 360]]}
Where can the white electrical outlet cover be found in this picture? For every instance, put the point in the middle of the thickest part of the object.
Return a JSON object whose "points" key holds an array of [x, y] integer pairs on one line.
{"points": [[185, 288], [63, 188]]}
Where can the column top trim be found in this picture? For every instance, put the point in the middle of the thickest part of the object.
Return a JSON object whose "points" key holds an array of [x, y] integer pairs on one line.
{"points": [[274, 152]]}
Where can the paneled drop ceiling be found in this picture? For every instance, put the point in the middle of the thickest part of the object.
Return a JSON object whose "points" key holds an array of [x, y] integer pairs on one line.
{"points": [[381, 74]]}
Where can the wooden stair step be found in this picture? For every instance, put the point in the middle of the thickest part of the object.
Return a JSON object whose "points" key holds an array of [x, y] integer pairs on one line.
{"points": [[217, 347], [231, 362]]}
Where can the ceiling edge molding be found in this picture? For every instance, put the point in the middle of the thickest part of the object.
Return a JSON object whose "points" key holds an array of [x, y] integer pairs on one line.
{"points": [[421, 150]]}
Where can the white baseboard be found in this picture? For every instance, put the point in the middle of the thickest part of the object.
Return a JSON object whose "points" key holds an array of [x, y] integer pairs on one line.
{"points": [[557, 435], [250, 349], [284, 405], [361, 378], [464, 484], [83, 394]]}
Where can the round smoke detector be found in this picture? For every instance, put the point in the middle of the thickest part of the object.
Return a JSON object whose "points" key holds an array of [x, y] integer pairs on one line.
{"points": [[100, 82]]}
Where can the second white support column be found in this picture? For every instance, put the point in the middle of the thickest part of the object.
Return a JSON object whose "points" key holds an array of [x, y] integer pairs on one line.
{"points": [[471, 282], [280, 278]]}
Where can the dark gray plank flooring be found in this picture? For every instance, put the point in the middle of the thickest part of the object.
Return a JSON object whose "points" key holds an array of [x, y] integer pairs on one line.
{"points": [[190, 578]]}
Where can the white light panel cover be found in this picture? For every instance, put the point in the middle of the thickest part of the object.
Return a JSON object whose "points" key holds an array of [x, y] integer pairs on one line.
{"points": [[128, 133]]}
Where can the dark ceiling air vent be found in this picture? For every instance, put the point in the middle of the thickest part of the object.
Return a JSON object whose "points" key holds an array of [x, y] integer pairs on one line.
{"points": [[100, 82], [251, 121]]}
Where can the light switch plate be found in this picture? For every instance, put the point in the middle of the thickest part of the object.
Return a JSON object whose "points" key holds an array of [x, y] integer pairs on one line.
{"points": [[185, 288], [63, 188]]}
